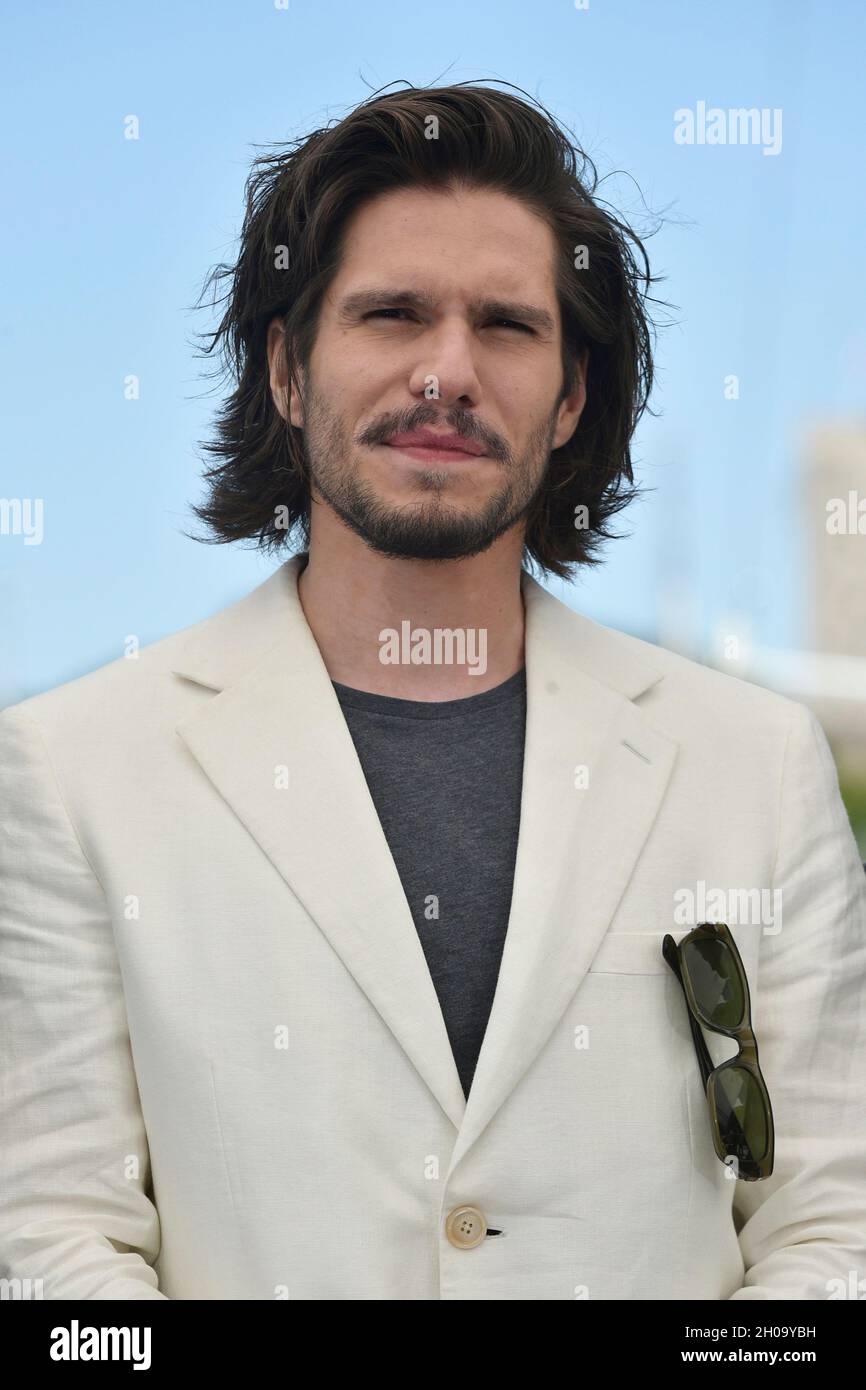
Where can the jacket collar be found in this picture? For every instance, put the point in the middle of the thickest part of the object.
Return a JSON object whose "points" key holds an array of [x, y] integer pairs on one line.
{"points": [[274, 707]]}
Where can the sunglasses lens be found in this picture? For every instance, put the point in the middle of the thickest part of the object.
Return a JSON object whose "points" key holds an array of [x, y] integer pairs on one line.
{"points": [[740, 1111], [715, 981]]}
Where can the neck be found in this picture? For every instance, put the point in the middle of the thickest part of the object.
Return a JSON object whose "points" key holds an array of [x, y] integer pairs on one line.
{"points": [[375, 619]]}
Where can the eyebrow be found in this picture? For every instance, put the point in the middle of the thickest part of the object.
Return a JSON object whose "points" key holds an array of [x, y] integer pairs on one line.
{"points": [[362, 300]]}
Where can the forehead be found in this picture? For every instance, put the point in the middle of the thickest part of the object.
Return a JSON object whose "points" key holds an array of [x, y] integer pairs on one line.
{"points": [[457, 238]]}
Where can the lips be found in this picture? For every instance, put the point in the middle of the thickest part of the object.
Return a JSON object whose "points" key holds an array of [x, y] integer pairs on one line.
{"points": [[447, 443]]}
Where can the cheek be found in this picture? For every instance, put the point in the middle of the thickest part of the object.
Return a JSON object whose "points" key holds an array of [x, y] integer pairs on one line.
{"points": [[523, 399], [527, 426], [357, 385]]}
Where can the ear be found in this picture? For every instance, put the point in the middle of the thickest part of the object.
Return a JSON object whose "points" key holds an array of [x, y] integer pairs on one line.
{"points": [[296, 404], [288, 402], [571, 408], [277, 365]]}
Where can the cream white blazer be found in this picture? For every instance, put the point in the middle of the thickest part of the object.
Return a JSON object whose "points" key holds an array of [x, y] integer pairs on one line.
{"points": [[225, 1073]]}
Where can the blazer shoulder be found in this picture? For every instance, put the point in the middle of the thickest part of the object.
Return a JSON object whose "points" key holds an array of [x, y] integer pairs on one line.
{"points": [[121, 679], [140, 686], [706, 693], [237, 633]]}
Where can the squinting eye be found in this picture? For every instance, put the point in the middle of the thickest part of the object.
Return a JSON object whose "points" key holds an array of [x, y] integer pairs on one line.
{"points": [[524, 327], [508, 323]]}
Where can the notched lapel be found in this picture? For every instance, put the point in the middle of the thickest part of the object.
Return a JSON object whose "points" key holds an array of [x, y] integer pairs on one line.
{"points": [[595, 774], [281, 722]]}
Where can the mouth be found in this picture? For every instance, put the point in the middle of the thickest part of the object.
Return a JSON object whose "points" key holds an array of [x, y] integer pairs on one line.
{"points": [[428, 453]]}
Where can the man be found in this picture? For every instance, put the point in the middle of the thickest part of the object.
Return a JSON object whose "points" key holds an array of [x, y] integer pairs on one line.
{"points": [[332, 926]]}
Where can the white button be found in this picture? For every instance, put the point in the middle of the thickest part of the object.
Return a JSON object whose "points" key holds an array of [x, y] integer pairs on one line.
{"points": [[465, 1227]]}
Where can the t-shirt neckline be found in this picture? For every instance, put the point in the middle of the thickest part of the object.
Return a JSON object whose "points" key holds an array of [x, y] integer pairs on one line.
{"points": [[431, 709]]}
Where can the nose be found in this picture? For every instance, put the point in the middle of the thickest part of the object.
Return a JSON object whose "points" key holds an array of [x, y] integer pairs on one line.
{"points": [[445, 368]]}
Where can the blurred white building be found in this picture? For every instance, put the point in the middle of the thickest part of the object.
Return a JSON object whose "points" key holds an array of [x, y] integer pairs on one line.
{"points": [[829, 675]]}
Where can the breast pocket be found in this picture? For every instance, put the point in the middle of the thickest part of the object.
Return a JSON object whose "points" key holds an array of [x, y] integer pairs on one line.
{"points": [[643, 1011], [624, 1072], [629, 1016]]}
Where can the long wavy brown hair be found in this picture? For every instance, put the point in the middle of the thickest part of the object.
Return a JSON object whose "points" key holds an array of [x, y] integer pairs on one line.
{"points": [[298, 204]]}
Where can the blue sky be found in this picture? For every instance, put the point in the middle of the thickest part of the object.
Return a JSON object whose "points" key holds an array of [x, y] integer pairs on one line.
{"points": [[107, 242]]}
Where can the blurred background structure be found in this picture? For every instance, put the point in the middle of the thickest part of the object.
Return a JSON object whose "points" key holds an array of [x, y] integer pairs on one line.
{"points": [[828, 671]]}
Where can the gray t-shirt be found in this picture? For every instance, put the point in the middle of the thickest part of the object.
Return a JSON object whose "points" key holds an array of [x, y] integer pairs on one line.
{"points": [[445, 778]]}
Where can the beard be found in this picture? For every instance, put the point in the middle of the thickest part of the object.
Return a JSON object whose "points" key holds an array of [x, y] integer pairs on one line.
{"points": [[432, 528]]}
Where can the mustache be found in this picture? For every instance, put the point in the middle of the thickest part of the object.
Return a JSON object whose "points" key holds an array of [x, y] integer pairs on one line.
{"points": [[456, 422]]}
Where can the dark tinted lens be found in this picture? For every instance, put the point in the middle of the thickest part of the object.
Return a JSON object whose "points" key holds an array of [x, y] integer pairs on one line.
{"points": [[715, 981], [741, 1114]]}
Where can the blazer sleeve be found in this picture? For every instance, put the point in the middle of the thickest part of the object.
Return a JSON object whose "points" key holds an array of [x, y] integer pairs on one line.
{"points": [[802, 1231], [74, 1209]]}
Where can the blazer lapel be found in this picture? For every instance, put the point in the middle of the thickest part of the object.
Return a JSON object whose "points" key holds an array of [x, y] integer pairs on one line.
{"points": [[594, 776], [274, 743], [277, 748]]}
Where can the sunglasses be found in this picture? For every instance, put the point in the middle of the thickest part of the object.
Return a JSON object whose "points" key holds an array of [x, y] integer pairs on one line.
{"points": [[708, 966]]}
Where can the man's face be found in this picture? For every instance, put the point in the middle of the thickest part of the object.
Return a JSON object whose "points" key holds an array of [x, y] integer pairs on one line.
{"points": [[443, 317]]}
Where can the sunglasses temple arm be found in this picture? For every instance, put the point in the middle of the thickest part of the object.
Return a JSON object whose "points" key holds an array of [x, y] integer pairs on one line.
{"points": [[705, 1061]]}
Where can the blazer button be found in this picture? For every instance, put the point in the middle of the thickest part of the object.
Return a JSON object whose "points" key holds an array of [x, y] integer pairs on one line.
{"points": [[465, 1227]]}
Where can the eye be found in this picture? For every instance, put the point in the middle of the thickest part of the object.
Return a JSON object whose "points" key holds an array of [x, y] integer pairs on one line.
{"points": [[507, 323], [511, 323]]}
